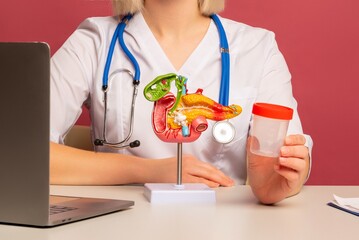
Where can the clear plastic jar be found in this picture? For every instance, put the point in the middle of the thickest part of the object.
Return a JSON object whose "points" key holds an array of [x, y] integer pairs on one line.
{"points": [[269, 128]]}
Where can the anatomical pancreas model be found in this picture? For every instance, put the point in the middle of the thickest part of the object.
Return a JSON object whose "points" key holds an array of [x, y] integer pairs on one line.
{"points": [[182, 118]]}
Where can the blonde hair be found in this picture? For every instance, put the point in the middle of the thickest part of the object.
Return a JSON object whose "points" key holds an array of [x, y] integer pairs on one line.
{"points": [[123, 7]]}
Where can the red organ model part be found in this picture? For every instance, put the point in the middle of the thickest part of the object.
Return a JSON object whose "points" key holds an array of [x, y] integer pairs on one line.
{"points": [[183, 118]]}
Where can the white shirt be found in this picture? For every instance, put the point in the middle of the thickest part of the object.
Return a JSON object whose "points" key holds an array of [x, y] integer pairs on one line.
{"points": [[258, 74]]}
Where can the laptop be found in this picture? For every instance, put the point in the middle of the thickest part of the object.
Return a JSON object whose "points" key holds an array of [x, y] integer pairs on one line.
{"points": [[24, 145]]}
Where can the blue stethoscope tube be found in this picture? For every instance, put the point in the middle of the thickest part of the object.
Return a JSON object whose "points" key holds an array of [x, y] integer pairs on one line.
{"points": [[224, 48], [118, 35], [223, 44]]}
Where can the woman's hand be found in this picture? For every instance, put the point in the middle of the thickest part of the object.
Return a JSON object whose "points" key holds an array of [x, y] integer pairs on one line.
{"points": [[273, 179], [193, 171]]}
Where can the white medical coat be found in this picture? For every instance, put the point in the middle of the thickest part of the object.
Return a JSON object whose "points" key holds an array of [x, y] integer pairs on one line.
{"points": [[258, 74]]}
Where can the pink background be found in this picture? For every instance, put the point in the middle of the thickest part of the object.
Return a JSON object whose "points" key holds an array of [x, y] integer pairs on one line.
{"points": [[319, 39]]}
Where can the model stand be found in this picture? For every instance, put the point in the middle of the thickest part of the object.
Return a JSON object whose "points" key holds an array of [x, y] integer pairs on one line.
{"points": [[179, 192], [178, 119]]}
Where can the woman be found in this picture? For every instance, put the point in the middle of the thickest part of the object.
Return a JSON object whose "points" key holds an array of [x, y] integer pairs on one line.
{"points": [[171, 36]]}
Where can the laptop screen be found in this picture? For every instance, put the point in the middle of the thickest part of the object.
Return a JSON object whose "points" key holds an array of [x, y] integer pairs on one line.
{"points": [[24, 129]]}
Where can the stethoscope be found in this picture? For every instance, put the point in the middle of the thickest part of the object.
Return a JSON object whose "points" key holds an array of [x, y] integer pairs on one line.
{"points": [[222, 131]]}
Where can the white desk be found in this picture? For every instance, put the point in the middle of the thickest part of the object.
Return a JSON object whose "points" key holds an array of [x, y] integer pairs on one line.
{"points": [[236, 215]]}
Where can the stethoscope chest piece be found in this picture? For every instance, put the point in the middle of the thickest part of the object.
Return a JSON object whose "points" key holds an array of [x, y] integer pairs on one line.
{"points": [[223, 132]]}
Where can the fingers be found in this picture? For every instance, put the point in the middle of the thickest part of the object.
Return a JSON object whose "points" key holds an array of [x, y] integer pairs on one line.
{"points": [[209, 183], [212, 175], [295, 164], [292, 164], [290, 168], [206, 173], [292, 140], [298, 151]]}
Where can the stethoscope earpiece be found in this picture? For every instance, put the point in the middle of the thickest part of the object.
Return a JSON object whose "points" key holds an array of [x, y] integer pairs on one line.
{"points": [[98, 142], [134, 144]]}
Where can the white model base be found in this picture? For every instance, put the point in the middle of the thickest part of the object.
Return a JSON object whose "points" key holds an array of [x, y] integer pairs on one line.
{"points": [[185, 193]]}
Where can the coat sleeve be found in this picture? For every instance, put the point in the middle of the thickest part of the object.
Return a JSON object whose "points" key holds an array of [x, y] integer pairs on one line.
{"points": [[72, 69], [276, 87]]}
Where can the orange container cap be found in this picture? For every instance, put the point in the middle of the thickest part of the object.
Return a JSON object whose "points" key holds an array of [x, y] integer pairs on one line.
{"points": [[272, 111]]}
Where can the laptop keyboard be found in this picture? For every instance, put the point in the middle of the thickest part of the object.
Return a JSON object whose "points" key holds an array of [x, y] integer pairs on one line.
{"points": [[55, 209]]}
